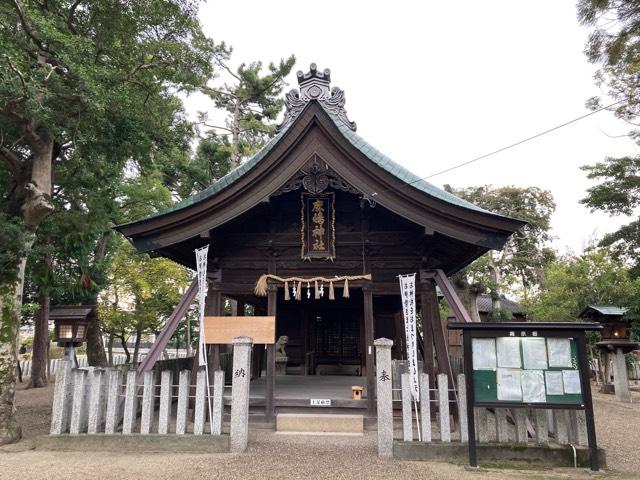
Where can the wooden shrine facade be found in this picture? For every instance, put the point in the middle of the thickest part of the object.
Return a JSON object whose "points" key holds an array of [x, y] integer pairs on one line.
{"points": [[319, 202]]}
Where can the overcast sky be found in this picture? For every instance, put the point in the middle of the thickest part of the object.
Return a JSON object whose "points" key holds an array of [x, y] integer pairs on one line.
{"points": [[436, 84]]}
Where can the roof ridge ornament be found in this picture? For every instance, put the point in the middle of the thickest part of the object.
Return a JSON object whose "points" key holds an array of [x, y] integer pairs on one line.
{"points": [[314, 85]]}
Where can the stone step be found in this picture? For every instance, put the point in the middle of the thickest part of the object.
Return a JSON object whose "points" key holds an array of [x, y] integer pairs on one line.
{"points": [[320, 424]]}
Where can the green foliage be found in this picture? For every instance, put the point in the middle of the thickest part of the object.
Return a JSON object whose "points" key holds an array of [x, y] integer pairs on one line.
{"points": [[572, 282], [252, 102], [11, 248], [526, 253], [618, 193], [141, 292]]}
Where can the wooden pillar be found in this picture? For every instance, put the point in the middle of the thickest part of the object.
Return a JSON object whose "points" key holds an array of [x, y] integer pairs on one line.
{"points": [[213, 307], [427, 333], [432, 311], [272, 299], [368, 335]]}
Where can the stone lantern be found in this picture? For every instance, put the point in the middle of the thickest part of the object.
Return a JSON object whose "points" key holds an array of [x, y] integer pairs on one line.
{"points": [[615, 343], [70, 326]]}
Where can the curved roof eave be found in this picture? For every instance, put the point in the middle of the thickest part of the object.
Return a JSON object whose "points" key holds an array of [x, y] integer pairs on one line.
{"points": [[375, 156]]}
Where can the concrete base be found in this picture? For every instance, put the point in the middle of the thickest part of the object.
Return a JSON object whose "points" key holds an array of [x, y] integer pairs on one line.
{"points": [[319, 423], [535, 455], [135, 443]]}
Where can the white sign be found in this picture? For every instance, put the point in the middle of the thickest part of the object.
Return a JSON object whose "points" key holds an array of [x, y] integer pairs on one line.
{"points": [[201, 265], [533, 386], [509, 384], [408, 295], [484, 353], [320, 402], [559, 352]]}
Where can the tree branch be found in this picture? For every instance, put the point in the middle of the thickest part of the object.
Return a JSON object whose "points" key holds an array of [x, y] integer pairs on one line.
{"points": [[11, 159]]}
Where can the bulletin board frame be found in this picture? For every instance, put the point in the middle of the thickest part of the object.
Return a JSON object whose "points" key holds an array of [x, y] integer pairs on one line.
{"points": [[522, 330]]}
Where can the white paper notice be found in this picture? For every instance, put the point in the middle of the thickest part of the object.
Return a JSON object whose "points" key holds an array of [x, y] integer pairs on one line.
{"points": [[554, 383], [534, 353], [559, 352], [508, 352], [484, 353], [509, 384], [533, 386], [571, 380]]}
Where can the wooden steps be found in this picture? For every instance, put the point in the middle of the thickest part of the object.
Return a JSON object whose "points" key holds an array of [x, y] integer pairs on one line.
{"points": [[319, 424]]}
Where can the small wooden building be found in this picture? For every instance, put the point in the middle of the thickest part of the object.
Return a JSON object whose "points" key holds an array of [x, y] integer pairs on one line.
{"points": [[320, 201]]}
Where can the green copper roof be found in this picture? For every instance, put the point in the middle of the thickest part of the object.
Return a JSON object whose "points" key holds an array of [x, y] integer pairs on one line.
{"points": [[604, 310], [398, 170], [358, 142]]}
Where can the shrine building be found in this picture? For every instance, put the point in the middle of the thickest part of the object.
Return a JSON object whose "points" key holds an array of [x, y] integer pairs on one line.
{"points": [[314, 229]]}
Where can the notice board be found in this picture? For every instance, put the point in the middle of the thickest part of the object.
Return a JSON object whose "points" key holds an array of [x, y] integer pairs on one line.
{"points": [[527, 365], [526, 370]]}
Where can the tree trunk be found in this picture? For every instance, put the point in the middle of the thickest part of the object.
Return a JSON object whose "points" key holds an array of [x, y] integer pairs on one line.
{"points": [[123, 342], [136, 348], [96, 355], [40, 345], [468, 295], [10, 303], [110, 347], [34, 201]]}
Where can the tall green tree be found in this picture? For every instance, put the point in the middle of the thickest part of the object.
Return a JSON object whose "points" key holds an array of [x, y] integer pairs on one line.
{"points": [[524, 256], [614, 45], [140, 295], [571, 282], [86, 82], [251, 99], [618, 193]]}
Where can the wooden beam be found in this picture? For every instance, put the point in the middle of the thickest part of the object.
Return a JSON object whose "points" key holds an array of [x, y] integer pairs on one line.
{"points": [[438, 334], [452, 297], [426, 307], [172, 323], [368, 334]]}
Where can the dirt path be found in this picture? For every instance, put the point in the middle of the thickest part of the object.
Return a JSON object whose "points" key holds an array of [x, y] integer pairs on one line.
{"points": [[282, 457]]}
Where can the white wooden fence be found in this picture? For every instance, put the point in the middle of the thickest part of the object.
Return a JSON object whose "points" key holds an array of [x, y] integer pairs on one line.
{"points": [[441, 414], [111, 401], [444, 418], [118, 359]]}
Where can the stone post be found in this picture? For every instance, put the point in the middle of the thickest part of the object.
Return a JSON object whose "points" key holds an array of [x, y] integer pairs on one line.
{"points": [[148, 402], [384, 398], [239, 431], [407, 413], [621, 377], [462, 408], [62, 398], [425, 408], [443, 408], [79, 409], [200, 413], [218, 402], [96, 401], [183, 401], [130, 403], [112, 417]]}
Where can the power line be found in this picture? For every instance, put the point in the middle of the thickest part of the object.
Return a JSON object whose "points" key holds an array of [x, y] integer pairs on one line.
{"points": [[520, 142]]}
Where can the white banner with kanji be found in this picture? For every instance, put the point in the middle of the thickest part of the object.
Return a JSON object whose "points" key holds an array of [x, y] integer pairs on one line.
{"points": [[201, 265], [408, 295]]}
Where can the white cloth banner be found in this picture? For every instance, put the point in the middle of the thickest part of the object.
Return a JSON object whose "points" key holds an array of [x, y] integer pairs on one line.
{"points": [[201, 265], [408, 295]]}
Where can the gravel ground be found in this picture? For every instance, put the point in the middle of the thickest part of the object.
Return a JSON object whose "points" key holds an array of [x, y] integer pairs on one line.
{"points": [[272, 456]]}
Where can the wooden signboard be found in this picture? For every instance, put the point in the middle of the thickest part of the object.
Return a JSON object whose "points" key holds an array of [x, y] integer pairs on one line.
{"points": [[527, 365], [222, 330]]}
